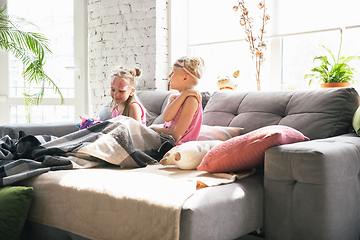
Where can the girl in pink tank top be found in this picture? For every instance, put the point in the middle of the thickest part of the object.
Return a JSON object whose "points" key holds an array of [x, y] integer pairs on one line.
{"points": [[123, 95], [116, 113], [183, 113]]}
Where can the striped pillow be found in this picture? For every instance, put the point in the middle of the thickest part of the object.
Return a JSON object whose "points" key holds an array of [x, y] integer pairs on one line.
{"points": [[218, 133]]}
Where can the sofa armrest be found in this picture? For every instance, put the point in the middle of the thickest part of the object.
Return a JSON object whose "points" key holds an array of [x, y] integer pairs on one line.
{"points": [[312, 189], [57, 129]]}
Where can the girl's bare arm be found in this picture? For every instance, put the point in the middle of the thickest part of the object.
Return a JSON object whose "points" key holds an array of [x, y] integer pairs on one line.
{"points": [[190, 106], [135, 112], [174, 105]]}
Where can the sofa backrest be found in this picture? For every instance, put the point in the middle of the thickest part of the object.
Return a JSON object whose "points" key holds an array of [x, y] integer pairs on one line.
{"points": [[316, 113], [155, 103]]}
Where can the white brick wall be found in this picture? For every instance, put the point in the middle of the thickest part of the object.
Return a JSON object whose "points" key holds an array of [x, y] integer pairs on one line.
{"points": [[129, 34]]}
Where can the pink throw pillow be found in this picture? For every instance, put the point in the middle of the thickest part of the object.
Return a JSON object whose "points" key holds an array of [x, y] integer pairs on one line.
{"points": [[247, 151]]}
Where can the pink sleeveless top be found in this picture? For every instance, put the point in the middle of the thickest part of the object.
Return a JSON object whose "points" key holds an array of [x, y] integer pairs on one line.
{"points": [[116, 113], [193, 131]]}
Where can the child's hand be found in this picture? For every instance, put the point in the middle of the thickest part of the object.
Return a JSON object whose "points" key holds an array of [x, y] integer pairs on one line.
{"points": [[156, 127], [172, 98], [160, 129], [194, 93]]}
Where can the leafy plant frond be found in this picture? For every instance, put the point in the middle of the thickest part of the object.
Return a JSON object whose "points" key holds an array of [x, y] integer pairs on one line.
{"points": [[36, 44], [35, 72], [35, 99], [31, 49], [348, 59], [323, 59], [328, 50]]}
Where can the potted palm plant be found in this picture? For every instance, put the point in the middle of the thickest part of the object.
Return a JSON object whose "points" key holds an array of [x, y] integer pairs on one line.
{"points": [[31, 49], [335, 72]]}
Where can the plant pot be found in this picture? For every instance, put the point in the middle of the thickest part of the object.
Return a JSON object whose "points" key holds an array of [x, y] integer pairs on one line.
{"points": [[335, 84]]}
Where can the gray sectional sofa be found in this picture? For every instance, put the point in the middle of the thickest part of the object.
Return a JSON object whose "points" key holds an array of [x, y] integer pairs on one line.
{"points": [[306, 190]]}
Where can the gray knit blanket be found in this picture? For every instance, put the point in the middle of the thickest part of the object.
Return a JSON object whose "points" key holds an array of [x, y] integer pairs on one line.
{"points": [[121, 141]]}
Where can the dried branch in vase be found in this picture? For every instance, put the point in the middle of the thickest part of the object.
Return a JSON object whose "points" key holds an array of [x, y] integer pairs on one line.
{"points": [[257, 45]]}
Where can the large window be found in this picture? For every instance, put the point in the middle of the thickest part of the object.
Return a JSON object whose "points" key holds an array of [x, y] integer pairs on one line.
{"points": [[299, 50], [211, 29], [66, 66]]}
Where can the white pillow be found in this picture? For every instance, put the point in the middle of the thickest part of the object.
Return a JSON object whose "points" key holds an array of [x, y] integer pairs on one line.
{"points": [[188, 155]]}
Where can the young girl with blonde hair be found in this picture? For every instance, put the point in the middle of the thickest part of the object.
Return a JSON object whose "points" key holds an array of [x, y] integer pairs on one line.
{"points": [[124, 100], [183, 113]]}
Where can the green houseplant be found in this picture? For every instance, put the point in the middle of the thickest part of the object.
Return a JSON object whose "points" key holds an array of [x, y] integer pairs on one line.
{"points": [[335, 70], [31, 49]]}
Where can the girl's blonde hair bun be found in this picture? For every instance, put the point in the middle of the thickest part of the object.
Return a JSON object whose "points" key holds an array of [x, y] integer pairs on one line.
{"points": [[129, 74], [136, 72], [192, 65]]}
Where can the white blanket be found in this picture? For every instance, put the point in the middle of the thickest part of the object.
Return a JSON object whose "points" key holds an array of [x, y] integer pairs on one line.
{"points": [[114, 203]]}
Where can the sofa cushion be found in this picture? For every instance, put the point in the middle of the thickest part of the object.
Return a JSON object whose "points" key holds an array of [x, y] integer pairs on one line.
{"points": [[316, 113], [104, 113], [247, 151], [218, 133], [356, 121], [14, 206]]}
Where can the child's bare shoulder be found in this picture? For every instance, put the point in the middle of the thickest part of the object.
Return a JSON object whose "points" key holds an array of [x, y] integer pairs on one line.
{"points": [[134, 106], [191, 101]]}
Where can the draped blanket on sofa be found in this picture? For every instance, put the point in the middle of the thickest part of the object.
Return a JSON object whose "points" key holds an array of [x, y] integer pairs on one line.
{"points": [[120, 141]]}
